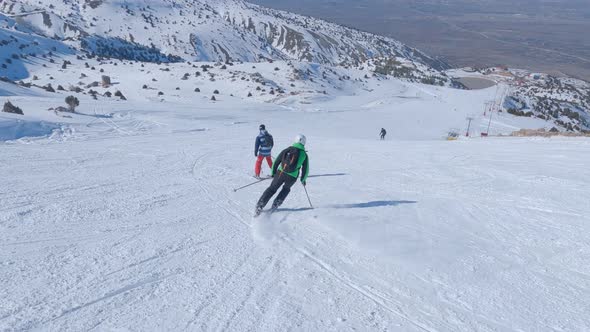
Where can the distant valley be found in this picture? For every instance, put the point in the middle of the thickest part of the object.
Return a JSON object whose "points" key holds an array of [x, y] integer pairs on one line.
{"points": [[534, 35]]}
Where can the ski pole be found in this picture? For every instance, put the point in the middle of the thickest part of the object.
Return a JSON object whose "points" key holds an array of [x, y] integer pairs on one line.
{"points": [[251, 184], [306, 194]]}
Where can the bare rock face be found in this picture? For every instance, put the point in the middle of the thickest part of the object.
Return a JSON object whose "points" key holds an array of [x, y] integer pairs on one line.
{"points": [[10, 108]]}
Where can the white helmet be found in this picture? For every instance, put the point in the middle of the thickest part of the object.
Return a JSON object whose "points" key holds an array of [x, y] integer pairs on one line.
{"points": [[300, 139]]}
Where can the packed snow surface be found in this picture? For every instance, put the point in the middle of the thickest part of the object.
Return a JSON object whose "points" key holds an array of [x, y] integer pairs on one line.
{"points": [[125, 218]]}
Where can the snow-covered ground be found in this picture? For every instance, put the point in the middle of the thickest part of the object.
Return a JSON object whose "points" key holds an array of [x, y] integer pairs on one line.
{"points": [[124, 218]]}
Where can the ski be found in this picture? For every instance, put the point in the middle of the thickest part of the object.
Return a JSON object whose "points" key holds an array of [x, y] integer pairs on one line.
{"points": [[257, 213]]}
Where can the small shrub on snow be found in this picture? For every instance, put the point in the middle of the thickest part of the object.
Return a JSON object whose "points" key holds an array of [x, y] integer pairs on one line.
{"points": [[76, 89], [49, 88], [120, 95], [72, 103], [10, 108], [60, 109]]}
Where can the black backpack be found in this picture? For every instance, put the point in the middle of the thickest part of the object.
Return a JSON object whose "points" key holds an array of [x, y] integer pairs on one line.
{"points": [[268, 141], [290, 159]]}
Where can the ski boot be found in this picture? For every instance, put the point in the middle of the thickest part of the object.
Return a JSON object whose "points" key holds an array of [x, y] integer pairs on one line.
{"points": [[258, 211], [275, 206]]}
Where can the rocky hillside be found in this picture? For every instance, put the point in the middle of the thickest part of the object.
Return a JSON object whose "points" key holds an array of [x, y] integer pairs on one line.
{"points": [[561, 101], [203, 30], [564, 101]]}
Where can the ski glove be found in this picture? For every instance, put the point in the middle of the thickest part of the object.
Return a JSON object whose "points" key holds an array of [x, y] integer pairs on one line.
{"points": [[304, 183]]}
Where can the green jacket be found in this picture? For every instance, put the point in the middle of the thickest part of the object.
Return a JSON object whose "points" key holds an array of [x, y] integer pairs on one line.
{"points": [[302, 163]]}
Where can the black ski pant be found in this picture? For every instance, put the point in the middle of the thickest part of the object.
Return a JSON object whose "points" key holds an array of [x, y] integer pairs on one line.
{"points": [[281, 179]]}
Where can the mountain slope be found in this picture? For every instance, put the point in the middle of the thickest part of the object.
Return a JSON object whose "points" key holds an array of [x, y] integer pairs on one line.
{"points": [[209, 30], [49, 34]]}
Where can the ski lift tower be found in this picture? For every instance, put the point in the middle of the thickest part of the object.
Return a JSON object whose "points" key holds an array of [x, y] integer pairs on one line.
{"points": [[470, 119]]}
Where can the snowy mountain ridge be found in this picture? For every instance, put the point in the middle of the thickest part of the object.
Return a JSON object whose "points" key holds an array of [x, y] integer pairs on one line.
{"points": [[207, 30], [310, 56]]}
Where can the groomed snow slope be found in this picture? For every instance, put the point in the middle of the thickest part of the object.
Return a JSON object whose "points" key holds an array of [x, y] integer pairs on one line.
{"points": [[129, 222]]}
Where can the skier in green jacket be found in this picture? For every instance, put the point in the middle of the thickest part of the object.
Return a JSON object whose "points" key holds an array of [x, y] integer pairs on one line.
{"points": [[285, 171]]}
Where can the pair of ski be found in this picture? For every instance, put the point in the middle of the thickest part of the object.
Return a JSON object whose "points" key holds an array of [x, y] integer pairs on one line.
{"points": [[270, 211], [258, 212]]}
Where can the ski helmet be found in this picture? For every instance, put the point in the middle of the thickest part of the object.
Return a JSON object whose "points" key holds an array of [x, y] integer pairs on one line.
{"points": [[300, 139], [262, 127]]}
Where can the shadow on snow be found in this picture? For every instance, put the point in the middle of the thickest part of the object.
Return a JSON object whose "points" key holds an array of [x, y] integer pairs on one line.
{"points": [[327, 175], [372, 204]]}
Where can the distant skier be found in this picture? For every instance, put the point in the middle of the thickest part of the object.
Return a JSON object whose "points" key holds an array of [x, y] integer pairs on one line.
{"points": [[285, 171], [383, 133], [262, 149]]}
